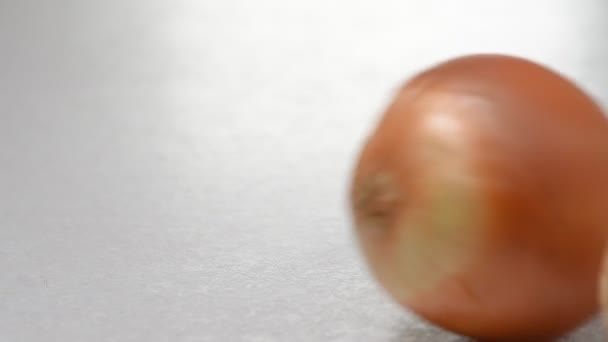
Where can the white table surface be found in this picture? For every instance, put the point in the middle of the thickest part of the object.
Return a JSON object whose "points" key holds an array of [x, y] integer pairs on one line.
{"points": [[177, 170]]}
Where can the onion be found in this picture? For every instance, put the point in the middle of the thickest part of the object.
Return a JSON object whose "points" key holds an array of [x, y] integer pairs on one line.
{"points": [[481, 199]]}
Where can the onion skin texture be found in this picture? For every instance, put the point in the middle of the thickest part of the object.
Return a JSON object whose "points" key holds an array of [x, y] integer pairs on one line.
{"points": [[603, 291], [480, 201]]}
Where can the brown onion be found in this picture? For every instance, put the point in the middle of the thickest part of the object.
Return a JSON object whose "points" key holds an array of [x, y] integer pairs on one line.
{"points": [[481, 199]]}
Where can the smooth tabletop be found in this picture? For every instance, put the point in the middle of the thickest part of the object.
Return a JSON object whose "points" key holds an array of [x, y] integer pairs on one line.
{"points": [[178, 170]]}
